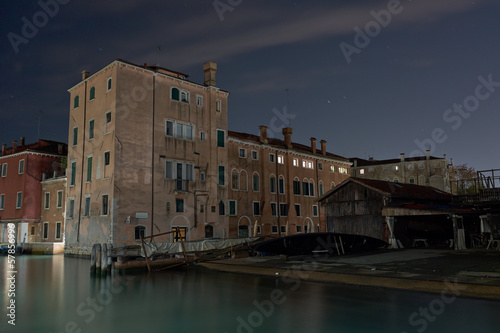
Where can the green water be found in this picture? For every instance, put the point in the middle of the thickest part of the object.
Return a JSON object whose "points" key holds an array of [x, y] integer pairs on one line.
{"points": [[56, 294]]}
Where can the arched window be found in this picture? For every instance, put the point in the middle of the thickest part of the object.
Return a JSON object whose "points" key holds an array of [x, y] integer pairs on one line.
{"points": [[272, 184], [235, 180], [243, 180], [311, 187], [76, 102], [281, 184], [255, 182], [92, 93], [175, 94], [184, 96], [139, 231], [332, 185], [109, 84], [320, 188]]}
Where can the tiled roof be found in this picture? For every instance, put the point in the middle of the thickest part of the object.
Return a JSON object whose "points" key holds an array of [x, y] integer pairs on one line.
{"points": [[397, 190], [42, 146], [278, 143], [362, 162]]}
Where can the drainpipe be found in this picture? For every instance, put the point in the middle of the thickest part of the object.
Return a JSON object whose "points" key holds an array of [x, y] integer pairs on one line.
{"points": [[153, 160], [83, 161]]}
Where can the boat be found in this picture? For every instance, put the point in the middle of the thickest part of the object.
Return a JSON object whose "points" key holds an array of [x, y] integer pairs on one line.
{"points": [[319, 243]]}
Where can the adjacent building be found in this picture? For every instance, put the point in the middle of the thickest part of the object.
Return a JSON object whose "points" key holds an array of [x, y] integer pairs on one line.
{"points": [[23, 167], [422, 170]]}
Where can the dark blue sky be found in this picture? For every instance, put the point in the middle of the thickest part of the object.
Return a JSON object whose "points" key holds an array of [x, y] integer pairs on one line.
{"points": [[399, 87]]}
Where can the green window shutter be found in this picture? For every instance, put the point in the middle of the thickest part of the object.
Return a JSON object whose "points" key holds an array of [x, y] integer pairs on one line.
{"points": [[89, 169], [221, 175], [73, 172], [175, 94], [91, 129], [76, 102], [92, 93], [75, 136], [220, 139]]}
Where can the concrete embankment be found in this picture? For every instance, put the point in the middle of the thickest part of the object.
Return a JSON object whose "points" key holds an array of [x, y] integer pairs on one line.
{"points": [[470, 273]]}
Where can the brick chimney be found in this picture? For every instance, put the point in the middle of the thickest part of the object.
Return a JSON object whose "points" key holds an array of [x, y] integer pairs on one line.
{"points": [[428, 154], [402, 156], [313, 145], [14, 146], [263, 134], [287, 134], [4, 147], [210, 68], [85, 75], [323, 147], [23, 139]]}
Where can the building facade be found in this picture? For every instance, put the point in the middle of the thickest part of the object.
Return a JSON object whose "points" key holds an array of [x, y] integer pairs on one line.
{"points": [[147, 152], [274, 184], [51, 226], [427, 170], [22, 169]]}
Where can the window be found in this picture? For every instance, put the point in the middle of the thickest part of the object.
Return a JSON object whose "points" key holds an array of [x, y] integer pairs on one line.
{"points": [[174, 94], [109, 85], [58, 230], [45, 230], [73, 173], [255, 182], [75, 136], [296, 187], [320, 190], [396, 168], [91, 129], [202, 176], [221, 138], [235, 180], [295, 162], [283, 209], [181, 172], [255, 155], [274, 209], [218, 105], [19, 200], [32, 232], [180, 235], [59, 199], [4, 170], [21, 167], [281, 159], [361, 171], [107, 161], [221, 175], [271, 158], [108, 121], [209, 231], [274, 229], [179, 205], [86, 210], [232, 207], [222, 208], [420, 165], [242, 153], [139, 232], [76, 102], [105, 205], [202, 208], [184, 96], [299, 228], [305, 188], [315, 210], [256, 208], [92, 94], [396, 180], [71, 208], [89, 168], [320, 166], [343, 170], [307, 164], [283, 228], [179, 130], [199, 100], [410, 166], [311, 188], [203, 136], [332, 168], [412, 180], [259, 230], [297, 210], [272, 184], [2, 201], [281, 185]]}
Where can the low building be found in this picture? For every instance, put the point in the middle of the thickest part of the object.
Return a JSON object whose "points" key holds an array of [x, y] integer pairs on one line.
{"points": [[422, 170]]}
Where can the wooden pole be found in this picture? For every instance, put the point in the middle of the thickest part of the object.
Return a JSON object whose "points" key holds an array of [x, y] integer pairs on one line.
{"points": [[93, 260], [145, 254], [98, 259], [104, 259]]}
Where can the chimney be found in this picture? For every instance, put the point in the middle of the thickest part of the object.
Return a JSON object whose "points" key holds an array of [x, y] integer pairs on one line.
{"points": [[210, 68], [14, 146], [4, 147], [263, 133], [23, 140], [313, 145], [60, 149], [85, 75], [287, 134], [323, 147], [428, 154], [402, 156]]}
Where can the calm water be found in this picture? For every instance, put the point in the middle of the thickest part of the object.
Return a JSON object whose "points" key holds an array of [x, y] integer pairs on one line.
{"points": [[57, 294]]}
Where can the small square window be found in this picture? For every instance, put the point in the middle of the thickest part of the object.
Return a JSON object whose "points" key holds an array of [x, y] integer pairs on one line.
{"points": [[281, 159], [299, 229], [274, 229], [255, 155], [199, 100], [320, 166], [283, 228], [315, 210], [295, 162], [361, 171], [203, 136], [271, 158], [218, 105], [242, 153], [179, 205]]}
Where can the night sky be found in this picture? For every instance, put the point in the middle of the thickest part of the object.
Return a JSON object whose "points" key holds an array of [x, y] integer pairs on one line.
{"points": [[373, 78]]}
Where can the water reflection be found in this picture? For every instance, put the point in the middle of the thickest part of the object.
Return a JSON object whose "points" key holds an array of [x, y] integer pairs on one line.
{"points": [[57, 294]]}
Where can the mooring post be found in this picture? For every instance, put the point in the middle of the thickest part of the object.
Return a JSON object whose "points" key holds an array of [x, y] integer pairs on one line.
{"points": [[104, 259], [109, 264], [98, 259], [93, 260]]}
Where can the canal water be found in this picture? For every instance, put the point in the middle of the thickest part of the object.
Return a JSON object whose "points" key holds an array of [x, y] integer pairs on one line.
{"points": [[54, 294]]}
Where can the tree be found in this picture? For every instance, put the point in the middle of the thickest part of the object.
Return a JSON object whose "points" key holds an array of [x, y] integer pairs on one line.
{"points": [[464, 179]]}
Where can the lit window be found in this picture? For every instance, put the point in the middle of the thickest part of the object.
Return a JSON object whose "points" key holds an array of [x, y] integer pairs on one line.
{"points": [[281, 160], [295, 162], [343, 170], [332, 168], [92, 93], [396, 167], [362, 171]]}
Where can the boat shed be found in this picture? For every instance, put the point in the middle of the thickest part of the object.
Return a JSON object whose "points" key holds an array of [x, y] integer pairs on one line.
{"points": [[404, 215]]}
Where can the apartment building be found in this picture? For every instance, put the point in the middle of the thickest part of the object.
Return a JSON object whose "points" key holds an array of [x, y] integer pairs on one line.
{"points": [[22, 169]]}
